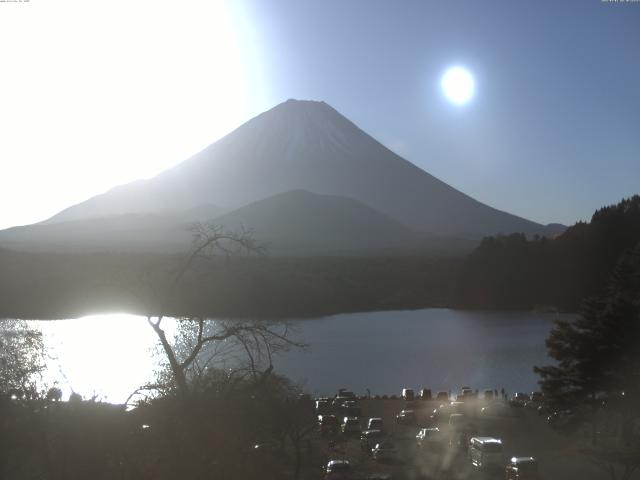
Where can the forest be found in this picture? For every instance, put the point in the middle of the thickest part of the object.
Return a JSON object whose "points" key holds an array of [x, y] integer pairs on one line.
{"points": [[503, 272], [67, 285], [514, 272]]}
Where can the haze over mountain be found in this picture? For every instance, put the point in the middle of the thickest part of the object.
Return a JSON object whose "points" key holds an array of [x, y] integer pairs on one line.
{"points": [[297, 145], [291, 223], [300, 222]]}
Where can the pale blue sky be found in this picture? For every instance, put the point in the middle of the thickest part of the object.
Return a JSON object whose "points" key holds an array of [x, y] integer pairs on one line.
{"points": [[554, 129], [94, 94]]}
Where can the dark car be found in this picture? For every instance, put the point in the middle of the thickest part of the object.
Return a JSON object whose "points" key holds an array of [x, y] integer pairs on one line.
{"points": [[323, 407], [338, 470], [408, 394], [351, 408], [522, 468], [431, 438], [343, 392], [519, 399], [340, 400], [406, 417], [370, 438], [351, 426], [442, 396], [328, 424], [375, 423], [537, 398], [385, 451], [565, 420], [425, 394]]}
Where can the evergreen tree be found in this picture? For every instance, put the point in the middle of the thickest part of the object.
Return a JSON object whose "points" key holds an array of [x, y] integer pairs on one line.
{"points": [[598, 353], [598, 371]]}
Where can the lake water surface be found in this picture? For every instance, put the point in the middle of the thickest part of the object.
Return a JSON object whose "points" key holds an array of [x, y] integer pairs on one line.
{"points": [[442, 349]]}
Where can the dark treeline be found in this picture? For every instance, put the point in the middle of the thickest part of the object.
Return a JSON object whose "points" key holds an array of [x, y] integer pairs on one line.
{"points": [[514, 272], [48, 285]]}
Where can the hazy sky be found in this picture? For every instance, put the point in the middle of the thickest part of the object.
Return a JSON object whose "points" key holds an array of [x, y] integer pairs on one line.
{"points": [[95, 93]]}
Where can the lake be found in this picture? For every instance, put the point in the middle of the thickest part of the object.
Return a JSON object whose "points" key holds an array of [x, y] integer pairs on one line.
{"points": [[109, 356]]}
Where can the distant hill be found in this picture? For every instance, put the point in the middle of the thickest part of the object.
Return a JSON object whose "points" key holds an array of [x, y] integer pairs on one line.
{"points": [[126, 232], [306, 145], [290, 223], [300, 222], [515, 272]]}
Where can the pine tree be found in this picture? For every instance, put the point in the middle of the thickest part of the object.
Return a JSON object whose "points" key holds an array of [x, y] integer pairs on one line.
{"points": [[598, 371]]}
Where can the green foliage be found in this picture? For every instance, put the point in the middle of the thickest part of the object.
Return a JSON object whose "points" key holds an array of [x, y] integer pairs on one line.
{"points": [[213, 438], [597, 374], [516, 272], [21, 359], [598, 353]]}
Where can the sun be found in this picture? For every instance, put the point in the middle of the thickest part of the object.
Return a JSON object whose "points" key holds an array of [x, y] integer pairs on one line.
{"points": [[458, 85]]}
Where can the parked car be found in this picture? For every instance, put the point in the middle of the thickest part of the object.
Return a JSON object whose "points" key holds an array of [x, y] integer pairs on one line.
{"points": [[328, 424], [466, 393], [544, 409], [489, 395], [351, 408], [535, 401], [425, 394], [429, 438], [442, 396], [537, 397], [457, 421], [385, 451], [340, 400], [406, 417], [522, 468], [350, 425], [408, 394], [370, 438], [446, 409], [338, 470], [563, 420], [486, 452], [375, 423], [519, 399], [323, 407], [343, 392]]}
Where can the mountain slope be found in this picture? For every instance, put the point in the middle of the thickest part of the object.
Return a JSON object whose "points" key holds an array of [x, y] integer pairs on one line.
{"points": [[290, 223], [310, 146], [302, 222], [124, 232]]}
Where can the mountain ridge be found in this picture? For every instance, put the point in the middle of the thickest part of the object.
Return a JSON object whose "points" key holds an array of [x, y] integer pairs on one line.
{"points": [[291, 223], [302, 144]]}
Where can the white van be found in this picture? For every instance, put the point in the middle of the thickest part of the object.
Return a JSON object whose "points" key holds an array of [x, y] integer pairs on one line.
{"points": [[486, 452]]}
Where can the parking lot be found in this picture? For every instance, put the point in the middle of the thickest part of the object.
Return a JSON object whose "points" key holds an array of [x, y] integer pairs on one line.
{"points": [[522, 431]]}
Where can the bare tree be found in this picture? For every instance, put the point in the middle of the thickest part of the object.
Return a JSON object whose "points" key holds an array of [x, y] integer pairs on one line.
{"points": [[258, 341]]}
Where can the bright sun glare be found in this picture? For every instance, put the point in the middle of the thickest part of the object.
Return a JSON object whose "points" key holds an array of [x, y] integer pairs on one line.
{"points": [[458, 85], [102, 93]]}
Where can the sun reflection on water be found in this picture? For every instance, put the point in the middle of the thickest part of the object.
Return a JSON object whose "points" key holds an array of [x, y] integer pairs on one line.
{"points": [[103, 356]]}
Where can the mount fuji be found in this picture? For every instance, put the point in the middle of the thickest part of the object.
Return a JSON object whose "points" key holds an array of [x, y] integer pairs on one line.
{"points": [[297, 146]]}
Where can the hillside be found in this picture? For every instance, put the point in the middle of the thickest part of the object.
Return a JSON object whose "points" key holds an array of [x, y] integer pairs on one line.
{"points": [[300, 222], [124, 232], [514, 272]]}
